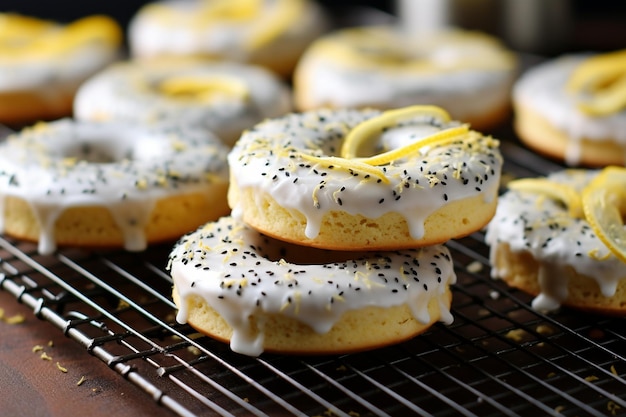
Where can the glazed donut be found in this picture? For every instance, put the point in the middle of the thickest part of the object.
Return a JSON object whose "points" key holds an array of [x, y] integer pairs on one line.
{"points": [[553, 115], [548, 248], [235, 284], [223, 97], [109, 184], [287, 180], [270, 33], [467, 73], [43, 63]]}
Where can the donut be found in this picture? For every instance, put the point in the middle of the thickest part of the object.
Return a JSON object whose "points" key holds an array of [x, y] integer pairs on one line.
{"points": [[269, 33], [44, 62], [104, 185], [349, 179], [263, 295], [559, 110], [467, 73], [224, 98], [544, 240]]}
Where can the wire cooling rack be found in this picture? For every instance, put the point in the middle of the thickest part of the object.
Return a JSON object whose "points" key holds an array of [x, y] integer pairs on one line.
{"points": [[498, 358]]}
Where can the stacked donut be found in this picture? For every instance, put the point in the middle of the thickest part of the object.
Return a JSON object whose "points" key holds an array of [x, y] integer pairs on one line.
{"points": [[334, 243]]}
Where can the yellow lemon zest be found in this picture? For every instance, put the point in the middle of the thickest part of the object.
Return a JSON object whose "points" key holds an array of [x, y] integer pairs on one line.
{"points": [[594, 254], [348, 165], [603, 77], [204, 88], [560, 192], [370, 128], [604, 203]]}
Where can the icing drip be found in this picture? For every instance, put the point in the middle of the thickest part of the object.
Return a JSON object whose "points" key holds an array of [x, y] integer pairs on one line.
{"points": [[544, 228], [241, 274], [124, 168], [267, 157]]}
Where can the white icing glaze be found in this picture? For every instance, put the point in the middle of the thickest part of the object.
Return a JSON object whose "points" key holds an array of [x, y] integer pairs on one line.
{"points": [[453, 80], [184, 32], [240, 273], [128, 91], [125, 168], [542, 89], [267, 158], [544, 228]]}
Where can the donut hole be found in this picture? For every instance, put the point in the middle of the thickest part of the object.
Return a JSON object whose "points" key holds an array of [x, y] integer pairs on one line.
{"points": [[395, 138], [98, 152]]}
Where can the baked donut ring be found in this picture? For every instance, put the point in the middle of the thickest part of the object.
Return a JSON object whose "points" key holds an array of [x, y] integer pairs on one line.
{"points": [[543, 242], [44, 62], [235, 284], [224, 98], [468, 73], [269, 33], [109, 184], [573, 108], [310, 179]]}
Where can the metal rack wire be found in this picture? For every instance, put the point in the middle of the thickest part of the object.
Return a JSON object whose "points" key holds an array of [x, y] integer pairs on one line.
{"points": [[498, 358]]}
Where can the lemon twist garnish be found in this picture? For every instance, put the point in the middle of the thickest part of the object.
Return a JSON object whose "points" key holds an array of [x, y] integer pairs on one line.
{"points": [[604, 203], [439, 138], [204, 88], [603, 77], [85, 30], [23, 36], [560, 192], [347, 164], [369, 129], [17, 29], [230, 9], [272, 26]]}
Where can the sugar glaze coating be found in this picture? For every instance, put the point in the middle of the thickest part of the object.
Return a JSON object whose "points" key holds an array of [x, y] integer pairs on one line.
{"points": [[241, 273]]}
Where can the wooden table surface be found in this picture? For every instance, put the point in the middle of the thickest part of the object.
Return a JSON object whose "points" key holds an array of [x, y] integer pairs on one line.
{"points": [[33, 385]]}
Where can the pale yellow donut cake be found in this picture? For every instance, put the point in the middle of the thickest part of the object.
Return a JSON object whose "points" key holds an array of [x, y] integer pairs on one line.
{"points": [[68, 183], [44, 62], [365, 179], [262, 295], [573, 108], [269, 33], [470, 74], [547, 239]]}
